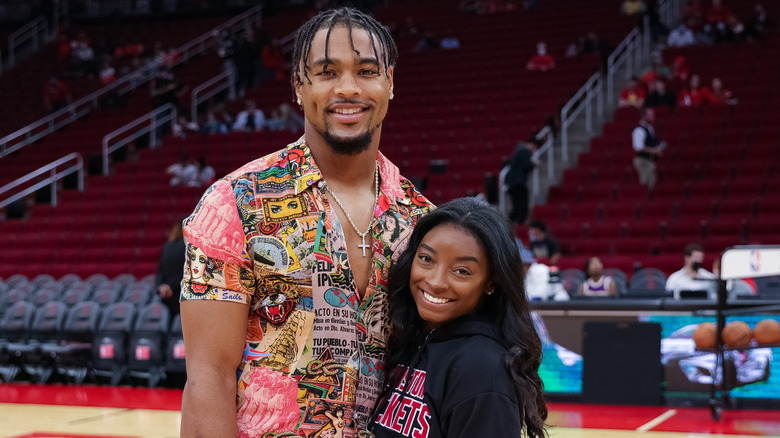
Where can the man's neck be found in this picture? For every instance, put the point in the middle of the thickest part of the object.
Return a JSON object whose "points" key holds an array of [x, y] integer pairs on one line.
{"points": [[345, 172], [691, 273]]}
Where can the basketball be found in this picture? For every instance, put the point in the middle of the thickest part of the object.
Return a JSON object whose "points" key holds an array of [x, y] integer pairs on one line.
{"points": [[737, 334], [704, 335], [767, 331]]}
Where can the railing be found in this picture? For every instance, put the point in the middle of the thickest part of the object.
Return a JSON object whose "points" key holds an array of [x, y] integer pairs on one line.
{"points": [[54, 176], [627, 52], [45, 126], [220, 82], [546, 135], [35, 32], [581, 101], [157, 119]]}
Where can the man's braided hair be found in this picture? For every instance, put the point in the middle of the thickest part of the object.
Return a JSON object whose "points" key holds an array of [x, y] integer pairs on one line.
{"points": [[350, 18]]}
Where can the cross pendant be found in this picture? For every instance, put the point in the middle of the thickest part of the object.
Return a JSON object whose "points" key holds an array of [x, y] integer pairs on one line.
{"points": [[363, 245]]}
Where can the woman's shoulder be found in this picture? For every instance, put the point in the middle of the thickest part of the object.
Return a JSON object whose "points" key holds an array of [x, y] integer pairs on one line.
{"points": [[477, 361]]}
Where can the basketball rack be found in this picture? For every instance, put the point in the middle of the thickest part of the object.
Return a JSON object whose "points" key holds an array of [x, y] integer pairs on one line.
{"points": [[747, 261]]}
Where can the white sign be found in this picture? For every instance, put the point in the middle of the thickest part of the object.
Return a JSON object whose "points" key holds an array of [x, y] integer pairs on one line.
{"points": [[749, 262]]}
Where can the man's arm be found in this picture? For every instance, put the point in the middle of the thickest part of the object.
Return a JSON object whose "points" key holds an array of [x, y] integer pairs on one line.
{"points": [[214, 338]]}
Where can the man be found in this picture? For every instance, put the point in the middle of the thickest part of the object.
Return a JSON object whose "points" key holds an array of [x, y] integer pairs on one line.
{"points": [[647, 147], [295, 246], [543, 245], [542, 61], [516, 180], [681, 36], [660, 96], [251, 119], [692, 276], [633, 95]]}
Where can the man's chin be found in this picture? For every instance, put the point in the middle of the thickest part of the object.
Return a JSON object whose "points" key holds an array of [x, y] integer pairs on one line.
{"points": [[349, 145]]}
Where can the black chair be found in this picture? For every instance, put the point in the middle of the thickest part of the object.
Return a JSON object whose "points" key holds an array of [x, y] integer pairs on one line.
{"points": [[75, 296], [42, 279], [124, 280], [147, 344], [174, 362], [616, 275], [44, 296], [46, 327], [72, 357], [647, 283], [109, 350], [70, 279], [14, 327], [11, 297], [106, 297], [139, 296], [572, 279], [16, 280]]}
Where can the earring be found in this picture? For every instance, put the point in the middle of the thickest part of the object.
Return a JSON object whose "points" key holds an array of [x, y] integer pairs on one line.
{"points": [[299, 102], [490, 292]]}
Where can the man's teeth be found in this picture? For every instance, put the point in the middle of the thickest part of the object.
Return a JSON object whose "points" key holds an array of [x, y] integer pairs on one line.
{"points": [[347, 110], [433, 299]]}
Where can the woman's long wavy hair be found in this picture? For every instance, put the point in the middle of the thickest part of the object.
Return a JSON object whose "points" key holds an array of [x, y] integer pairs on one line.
{"points": [[507, 306]]}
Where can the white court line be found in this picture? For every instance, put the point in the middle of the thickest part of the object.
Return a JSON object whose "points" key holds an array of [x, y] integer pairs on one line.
{"points": [[657, 420]]}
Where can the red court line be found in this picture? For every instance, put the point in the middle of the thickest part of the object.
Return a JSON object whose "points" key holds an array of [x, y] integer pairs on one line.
{"points": [[94, 396]]}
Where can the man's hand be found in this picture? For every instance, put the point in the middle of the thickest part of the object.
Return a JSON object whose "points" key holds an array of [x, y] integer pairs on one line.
{"points": [[164, 291]]}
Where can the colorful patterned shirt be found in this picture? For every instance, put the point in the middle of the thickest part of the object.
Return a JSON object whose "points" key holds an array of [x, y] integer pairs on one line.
{"points": [[266, 236]]}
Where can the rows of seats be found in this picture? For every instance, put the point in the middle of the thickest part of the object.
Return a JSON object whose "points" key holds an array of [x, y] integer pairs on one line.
{"points": [[487, 103], [717, 183], [650, 282], [113, 331]]}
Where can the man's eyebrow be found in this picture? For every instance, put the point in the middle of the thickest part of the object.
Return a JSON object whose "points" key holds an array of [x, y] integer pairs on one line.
{"points": [[327, 61]]}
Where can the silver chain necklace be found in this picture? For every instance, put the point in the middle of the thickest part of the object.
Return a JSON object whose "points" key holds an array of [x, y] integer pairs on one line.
{"points": [[363, 235]]}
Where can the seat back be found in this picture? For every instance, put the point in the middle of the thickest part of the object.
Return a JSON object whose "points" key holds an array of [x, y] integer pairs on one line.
{"points": [[70, 279], [49, 321], [175, 357], [110, 345], [96, 280], [616, 274], [572, 279], [44, 296], [147, 343], [124, 279], [17, 321], [139, 296], [74, 296], [648, 278], [105, 297], [82, 321]]}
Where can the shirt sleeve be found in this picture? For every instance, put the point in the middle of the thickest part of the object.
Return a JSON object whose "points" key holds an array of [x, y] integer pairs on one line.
{"points": [[217, 266], [638, 137]]}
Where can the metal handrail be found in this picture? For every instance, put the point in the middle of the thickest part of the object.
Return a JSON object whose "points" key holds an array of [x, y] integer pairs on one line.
{"points": [[621, 55], [45, 126], [157, 118], [53, 177], [581, 101], [546, 134], [29, 31], [222, 81]]}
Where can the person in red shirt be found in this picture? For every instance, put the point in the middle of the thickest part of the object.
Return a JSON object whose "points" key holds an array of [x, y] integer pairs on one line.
{"points": [[695, 94], [633, 95], [55, 94], [722, 95], [542, 61]]}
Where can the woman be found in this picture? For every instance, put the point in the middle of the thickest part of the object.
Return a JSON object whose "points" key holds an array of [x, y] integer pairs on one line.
{"points": [[464, 355], [596, 284]]}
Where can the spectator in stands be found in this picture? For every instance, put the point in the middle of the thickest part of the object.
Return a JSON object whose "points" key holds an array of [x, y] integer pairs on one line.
{"points": [[692, 276], [722, 95], [291, 120], [83, 56], [693, 15], [633, 7], [681, 36], [184, 126], [183, 173], [596, 283], [63, 48], [681, 75], [660, 96], [633, 95], [169, 269], [542, 61], [107, 73], [695, 94], [758, 23], [212, 125], [164, 88], [427, 43], [251, 119], [55, 95], [273, 59], [206, 173], [719, 22], [647, 148], [516, 181], [450, 42], [658, 71], [543, 245], [246, 56]]}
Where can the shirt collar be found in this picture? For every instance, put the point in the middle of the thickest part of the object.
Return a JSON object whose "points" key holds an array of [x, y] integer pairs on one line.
{"points": [[306, 173]]}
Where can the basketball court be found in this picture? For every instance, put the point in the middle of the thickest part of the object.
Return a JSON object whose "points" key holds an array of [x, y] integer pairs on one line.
{"points": [[34, 411]]}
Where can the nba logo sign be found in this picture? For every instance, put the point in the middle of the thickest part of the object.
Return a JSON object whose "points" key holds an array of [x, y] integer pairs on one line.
{"points": [[755, 260]]}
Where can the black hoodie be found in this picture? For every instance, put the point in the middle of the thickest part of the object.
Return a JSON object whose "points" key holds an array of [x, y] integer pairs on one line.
{"points": [[456, 386]]}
